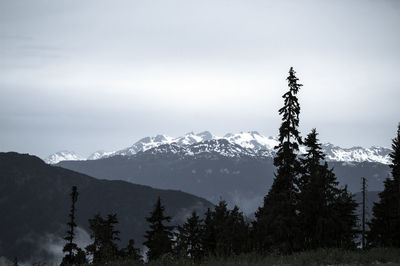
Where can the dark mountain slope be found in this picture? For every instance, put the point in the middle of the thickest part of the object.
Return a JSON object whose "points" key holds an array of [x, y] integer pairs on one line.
{"points": [[240, 180], [34, 201]]}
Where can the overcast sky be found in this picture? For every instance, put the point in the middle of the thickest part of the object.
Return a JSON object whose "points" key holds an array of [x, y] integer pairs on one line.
{"points": [[95, 74]]}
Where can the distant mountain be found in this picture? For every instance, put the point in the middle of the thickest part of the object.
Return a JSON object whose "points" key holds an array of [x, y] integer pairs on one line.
{"points": [[98, 155], [357, 154], [63, 156], [34, 206], [215, 169], [251, 142]]}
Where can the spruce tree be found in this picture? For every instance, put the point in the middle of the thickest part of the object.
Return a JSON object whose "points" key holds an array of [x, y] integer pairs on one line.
{"points": [[326, 212], [276, 226], [209, 234], [103, 232], [75, 255], [345, 220], [385, 225], [219, 218], [225, 232], [131, 253], [237, 231], [159, 237], [188, 240]]}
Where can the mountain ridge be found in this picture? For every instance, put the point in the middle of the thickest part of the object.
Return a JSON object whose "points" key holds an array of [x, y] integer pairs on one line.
{"points": [[252, 143]]}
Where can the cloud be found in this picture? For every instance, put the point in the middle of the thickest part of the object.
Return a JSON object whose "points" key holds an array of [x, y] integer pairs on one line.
{"points": [[49, 247], [86, 83]]}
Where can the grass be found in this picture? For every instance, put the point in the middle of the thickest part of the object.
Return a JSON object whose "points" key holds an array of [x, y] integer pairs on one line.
{"points": [[379, 256]]}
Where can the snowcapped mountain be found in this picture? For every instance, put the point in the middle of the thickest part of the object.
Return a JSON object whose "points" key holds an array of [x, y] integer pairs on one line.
{"points": [[357, 154], [100, 154], [231, 145], [252, 140], [62, 156], [207, 148]]}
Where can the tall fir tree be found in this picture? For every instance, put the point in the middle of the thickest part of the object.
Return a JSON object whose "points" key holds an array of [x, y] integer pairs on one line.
{"points": [[74, 255], [326, 213], [345, 220], [159, 237], [131, 252], [237, 231], [225, 232], [385, 225], [276, 226], [103, 232], [189, 236], [220, 216], [209, 235]]}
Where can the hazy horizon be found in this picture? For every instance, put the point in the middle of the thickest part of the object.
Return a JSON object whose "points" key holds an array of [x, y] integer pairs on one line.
{"points": [[100, 75]]}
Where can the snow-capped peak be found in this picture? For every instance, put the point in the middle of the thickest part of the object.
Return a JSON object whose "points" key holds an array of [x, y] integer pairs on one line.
{"points": [[62, 156], [252, 140], [248, 143], [100, 154], [191, 138], [145, 144], [356, 154]]}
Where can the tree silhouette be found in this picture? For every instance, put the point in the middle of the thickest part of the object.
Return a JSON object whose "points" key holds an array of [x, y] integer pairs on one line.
{"points": [[189, 236], [209, 241], [276, 226], [326, 213], [103, 249], [385, 225], [345, 220], [131, 253], [237, 231], [225, 232], [159, 237], [75, 255]]}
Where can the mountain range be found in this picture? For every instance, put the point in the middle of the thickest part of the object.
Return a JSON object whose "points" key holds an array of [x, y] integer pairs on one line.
{"points": [[242, 144], [237, 168]]}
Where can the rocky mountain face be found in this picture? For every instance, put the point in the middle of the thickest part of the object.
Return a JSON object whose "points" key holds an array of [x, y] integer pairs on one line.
{"points": [[251, 143], [35, 202]]}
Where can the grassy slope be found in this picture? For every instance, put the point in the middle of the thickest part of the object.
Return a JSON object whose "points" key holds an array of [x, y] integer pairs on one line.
{"points": [[318, 257]]}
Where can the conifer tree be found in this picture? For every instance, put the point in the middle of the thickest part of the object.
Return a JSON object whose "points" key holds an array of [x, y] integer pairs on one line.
{"points": [[237, 231], [225, 232], [103, 249], [276, 226], [159, 237], [75, 255], [15, 263], [209, 234], [345, 220], [385, 226], [131, 253], [188, 240], [220, 217], [326, 213]]}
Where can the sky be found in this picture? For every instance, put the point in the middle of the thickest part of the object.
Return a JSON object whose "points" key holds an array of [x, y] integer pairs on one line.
{"points": [[99, 75]]}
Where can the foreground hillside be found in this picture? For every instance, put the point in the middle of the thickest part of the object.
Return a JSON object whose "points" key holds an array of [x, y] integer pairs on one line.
{"points": [[34, 204], [378, 256]]}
